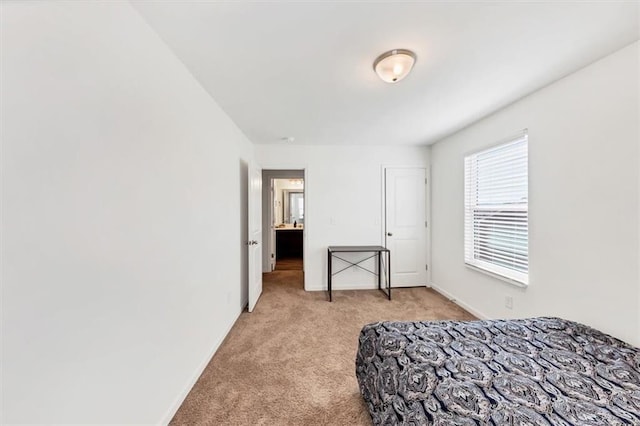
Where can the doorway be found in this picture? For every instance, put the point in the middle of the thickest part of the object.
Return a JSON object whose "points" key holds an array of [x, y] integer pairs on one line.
{"points": [[405, 230], [288, 224], [284, 220]]}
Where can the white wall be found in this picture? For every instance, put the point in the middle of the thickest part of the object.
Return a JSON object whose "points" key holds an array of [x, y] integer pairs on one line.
{"points": [[583, 201], [343, 196], [123, 187]]}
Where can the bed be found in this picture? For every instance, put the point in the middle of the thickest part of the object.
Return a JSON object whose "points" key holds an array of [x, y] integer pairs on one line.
{"points": [[537, 371]]}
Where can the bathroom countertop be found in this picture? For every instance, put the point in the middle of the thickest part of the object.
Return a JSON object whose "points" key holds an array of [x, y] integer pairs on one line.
{"points": [[290, 228]]}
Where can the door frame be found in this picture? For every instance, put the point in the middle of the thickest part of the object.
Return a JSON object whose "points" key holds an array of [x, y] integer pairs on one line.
{"points": [[427, 200], [305, 176]]}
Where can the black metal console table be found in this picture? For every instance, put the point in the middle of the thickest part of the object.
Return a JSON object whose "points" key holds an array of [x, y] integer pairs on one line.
{"points": [[377, 251]]}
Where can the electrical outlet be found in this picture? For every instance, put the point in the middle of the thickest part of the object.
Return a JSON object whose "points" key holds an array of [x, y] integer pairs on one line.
{"points": [[508, 302]]}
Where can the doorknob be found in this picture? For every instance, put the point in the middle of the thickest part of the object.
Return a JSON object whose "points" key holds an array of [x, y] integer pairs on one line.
{"points": [[389, 234]]}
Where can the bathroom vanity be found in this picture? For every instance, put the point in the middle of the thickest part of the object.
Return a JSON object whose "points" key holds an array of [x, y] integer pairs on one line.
{"points": [[289, 242]]}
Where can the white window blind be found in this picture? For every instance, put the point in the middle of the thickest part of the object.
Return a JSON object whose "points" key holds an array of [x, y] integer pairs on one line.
{"points": [[496, 235]]}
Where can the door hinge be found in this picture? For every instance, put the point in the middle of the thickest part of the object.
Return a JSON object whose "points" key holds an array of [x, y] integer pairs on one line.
{"points": [[426, 224], [425, 181], [426, 267]]}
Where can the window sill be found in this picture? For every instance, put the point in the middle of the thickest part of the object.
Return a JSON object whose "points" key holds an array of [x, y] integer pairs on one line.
{"points": [[498, 276]]}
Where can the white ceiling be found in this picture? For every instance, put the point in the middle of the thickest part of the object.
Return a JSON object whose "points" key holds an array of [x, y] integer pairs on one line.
{"points": [[304, 69]]}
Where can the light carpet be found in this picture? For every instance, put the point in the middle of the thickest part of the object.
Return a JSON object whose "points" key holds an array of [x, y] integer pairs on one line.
{"points": [[292, 360]]}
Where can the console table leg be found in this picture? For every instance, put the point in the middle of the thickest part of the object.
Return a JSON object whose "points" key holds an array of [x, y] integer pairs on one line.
{"points": [[329, 256], [379, 270], [389, 273]]}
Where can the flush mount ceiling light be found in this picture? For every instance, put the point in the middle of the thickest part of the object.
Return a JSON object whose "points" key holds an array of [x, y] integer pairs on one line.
{"points": [[394, 65]]}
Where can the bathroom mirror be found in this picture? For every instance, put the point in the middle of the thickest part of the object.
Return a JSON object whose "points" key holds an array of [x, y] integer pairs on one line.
{"points": [[293, 206]]}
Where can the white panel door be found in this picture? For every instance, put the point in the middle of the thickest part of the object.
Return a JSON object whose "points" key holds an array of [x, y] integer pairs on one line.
{"points": [[255, 235], [405, 225]]}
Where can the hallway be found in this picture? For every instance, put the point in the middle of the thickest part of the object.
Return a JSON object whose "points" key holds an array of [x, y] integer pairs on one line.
{"points": [[289, 264]]}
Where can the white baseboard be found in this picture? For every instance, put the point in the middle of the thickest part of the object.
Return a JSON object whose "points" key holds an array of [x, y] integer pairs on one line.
{"points": [[345, 287], [183, 395], [360, 287], [459, 302]]}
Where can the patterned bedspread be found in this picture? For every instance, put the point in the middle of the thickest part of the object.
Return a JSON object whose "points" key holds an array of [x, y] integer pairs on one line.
{"points": [[538, 371]]}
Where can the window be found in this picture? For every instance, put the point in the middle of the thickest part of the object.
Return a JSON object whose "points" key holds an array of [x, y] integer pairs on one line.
{"points": [[496, 210]]}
